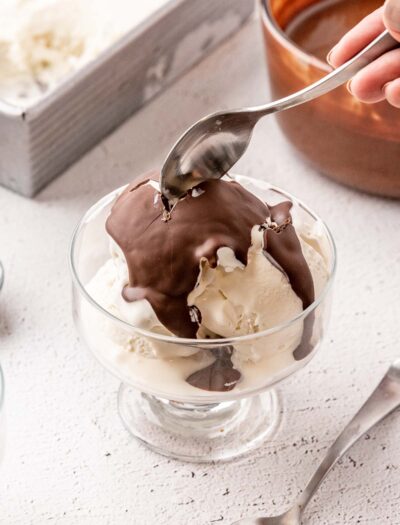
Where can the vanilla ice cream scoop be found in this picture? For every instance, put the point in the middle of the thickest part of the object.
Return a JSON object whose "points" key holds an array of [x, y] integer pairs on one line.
{"points": [[44, 41], [221, 263]]}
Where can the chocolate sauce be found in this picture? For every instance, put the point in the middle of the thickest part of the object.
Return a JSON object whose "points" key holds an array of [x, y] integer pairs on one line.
{"points": [[305, 347], [163, 249], [284, 246], [220, 376], [163, 256]]}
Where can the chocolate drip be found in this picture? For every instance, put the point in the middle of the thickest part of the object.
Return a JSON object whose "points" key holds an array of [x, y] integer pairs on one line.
{"points": [[305, 347], [220, 376], [282, 243]]}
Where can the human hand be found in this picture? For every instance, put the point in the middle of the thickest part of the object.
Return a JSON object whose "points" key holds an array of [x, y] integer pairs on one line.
{"points": [[381, 79]]}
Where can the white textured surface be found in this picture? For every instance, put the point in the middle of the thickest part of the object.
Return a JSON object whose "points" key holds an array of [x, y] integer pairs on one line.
{"points": [[70, 461]]}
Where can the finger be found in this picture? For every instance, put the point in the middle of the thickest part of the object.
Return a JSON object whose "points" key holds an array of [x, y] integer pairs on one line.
{"points": [[391, 17], [392, 93], [366, 98], [368, 84], [357, 38]]}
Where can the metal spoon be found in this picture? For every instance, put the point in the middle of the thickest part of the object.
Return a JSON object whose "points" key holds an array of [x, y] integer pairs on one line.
{"points": [[215, 143], [384, 399]]}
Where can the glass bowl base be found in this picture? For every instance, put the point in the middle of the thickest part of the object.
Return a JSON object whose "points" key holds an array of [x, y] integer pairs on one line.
{"points": [[199, 433]]}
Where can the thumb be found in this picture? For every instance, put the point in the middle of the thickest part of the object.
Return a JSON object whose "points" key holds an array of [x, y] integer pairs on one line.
{"points": [[391, 17]]}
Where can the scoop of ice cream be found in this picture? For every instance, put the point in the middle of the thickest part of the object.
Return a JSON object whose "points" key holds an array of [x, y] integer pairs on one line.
{"points": [[237, 299], [52, 39], [43, 41], [165, 249], [221, 263], [105, 288]]}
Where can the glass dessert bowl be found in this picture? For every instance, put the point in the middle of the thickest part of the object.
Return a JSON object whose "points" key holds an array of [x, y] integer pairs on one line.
{"points": [[202, 399]]}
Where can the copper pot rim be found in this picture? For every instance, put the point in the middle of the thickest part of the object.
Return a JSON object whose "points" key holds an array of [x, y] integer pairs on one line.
{"points": [[278, 33]]}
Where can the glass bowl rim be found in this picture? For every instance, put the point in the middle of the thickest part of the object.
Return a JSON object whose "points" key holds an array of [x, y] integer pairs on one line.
{"points": [[210, 343], [280, 35]]}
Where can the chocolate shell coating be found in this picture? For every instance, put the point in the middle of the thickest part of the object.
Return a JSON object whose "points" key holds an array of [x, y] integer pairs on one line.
{"points": [[163, 256], [163, 249]]}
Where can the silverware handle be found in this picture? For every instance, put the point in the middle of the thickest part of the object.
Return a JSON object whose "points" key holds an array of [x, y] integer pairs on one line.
{"points": [[384, 399], [382, 44]]}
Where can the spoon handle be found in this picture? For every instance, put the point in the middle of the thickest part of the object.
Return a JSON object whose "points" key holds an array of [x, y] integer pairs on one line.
{"points": [[382, 44], [384, 399]]}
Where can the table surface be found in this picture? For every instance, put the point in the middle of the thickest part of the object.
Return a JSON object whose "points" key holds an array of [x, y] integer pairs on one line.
{"points": [[68, 458]]}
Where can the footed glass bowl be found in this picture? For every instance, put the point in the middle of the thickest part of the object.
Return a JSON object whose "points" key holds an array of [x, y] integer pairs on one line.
{"points": [[156, 403]]}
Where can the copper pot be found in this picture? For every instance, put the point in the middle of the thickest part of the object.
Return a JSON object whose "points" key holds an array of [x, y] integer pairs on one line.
{"points": [[354, 143]]}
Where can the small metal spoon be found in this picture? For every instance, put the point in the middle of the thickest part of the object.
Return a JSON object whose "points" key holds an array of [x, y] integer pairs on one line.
{"points": [[384, 399], [210, 148]]}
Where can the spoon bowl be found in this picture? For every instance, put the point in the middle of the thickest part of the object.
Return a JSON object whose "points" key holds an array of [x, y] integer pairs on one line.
{"points": [[207, 150]]}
